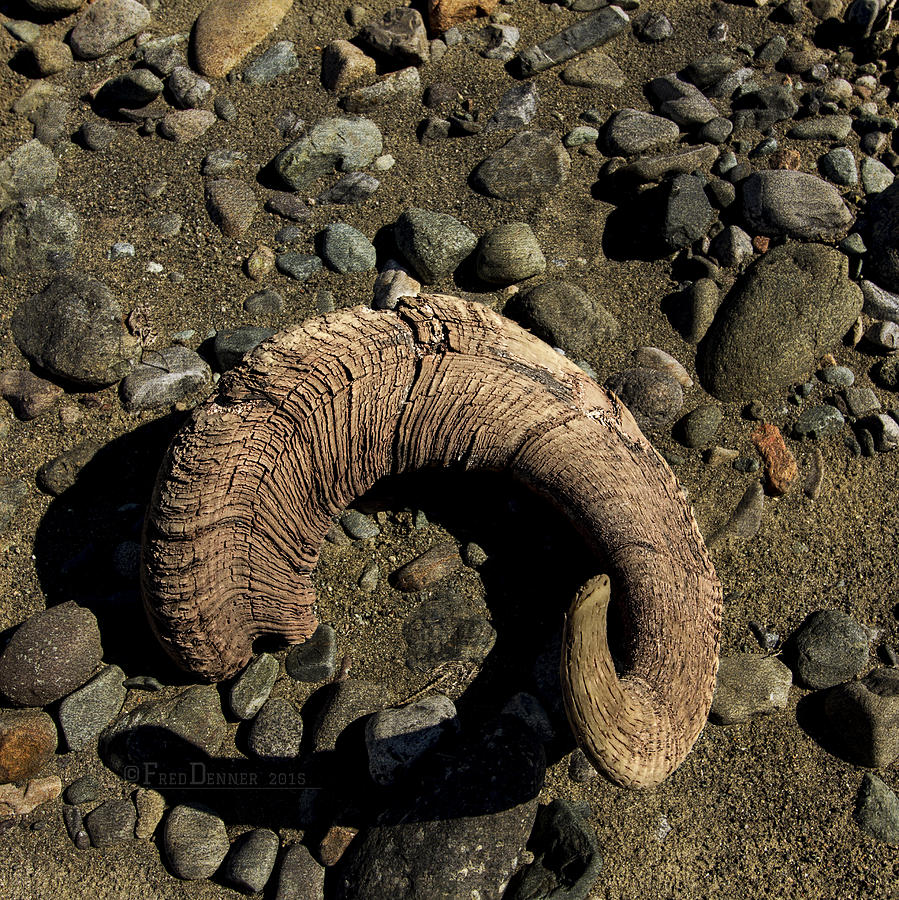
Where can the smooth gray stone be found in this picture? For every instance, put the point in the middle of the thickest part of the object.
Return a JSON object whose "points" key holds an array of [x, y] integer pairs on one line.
{"points": [[87, 711], [300, 876], [655, 168], [654, 398], [590, 32], [316, 658], [49, 655], [406, 82], [879, 303], [59, 474], [687, 214], [875, 176], [681, 101], [530, 163], [563, 315], [346, 249], [105, 24], [839, 166], [877, 810], [831, 647], [509, 253], [276, 732], [167, 732], [252, 859], [299, 266], [195, 842], [864, 715], [28, 170], [111, 823], [822, 128]]}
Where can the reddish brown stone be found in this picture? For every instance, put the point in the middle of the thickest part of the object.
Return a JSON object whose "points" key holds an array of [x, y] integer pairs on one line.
{"points": [[780, 465], [784, 159], [429, 568], [335, 843], [761, 243], [28, 395], [27, 742], [443, 14]]}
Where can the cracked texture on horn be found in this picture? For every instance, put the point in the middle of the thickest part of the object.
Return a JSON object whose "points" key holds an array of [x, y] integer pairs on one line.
{"points": [[316, 415]]}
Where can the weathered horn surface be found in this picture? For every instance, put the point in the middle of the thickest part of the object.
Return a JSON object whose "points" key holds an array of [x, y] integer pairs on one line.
{"points": [[316, 415]]}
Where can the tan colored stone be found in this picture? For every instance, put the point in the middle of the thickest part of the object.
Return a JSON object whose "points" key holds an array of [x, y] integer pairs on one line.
{"points": [[443, 14], [344, 64], [19, 801], [334, 844], [431, 567], [227, 30]]}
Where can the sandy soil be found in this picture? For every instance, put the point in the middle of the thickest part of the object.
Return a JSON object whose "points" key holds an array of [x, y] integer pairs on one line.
{"points": [[757, 810]]}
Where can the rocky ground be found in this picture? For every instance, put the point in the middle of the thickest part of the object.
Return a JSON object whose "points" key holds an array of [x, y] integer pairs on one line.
{"points": [[712, 180]]}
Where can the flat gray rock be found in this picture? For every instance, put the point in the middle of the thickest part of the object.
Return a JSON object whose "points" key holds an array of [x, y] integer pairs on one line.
{"points": [[830, 648], [252, 859], [561, 314], [593, 31], [343, 144], [396, 738], [877, 810], [530, 163], [166, 732], [631, 131], [346, 249], [784, 203], [253, 686], [681, 101], [864, 715]]}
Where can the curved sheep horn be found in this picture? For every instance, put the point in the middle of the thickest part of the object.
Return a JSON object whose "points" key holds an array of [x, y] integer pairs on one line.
{"points": [[315, 416]]}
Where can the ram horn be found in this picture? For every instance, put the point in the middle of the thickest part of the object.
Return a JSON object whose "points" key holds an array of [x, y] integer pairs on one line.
{"points": [[316, 415]]}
